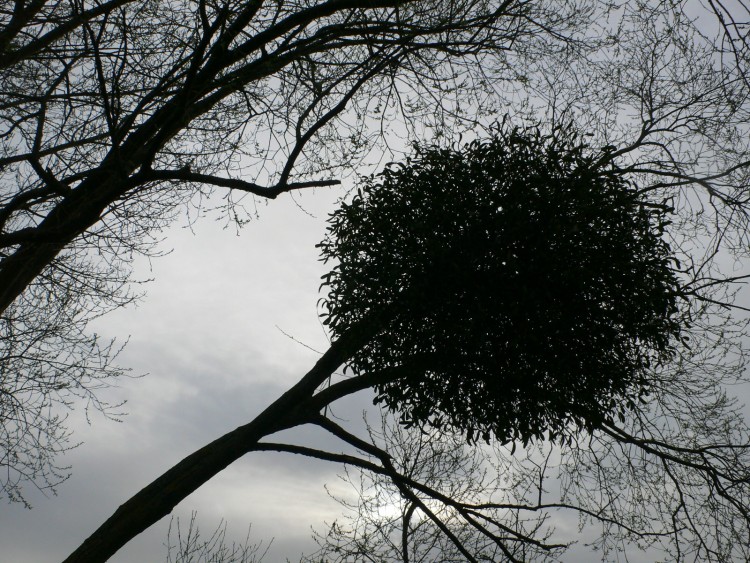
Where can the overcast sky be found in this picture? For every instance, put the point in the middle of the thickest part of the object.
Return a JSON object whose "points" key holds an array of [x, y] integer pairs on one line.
{"points": [[209, 335]]}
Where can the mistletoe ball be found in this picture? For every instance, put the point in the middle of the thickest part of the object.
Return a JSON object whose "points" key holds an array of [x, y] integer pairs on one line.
{"points": [[522, 286]]}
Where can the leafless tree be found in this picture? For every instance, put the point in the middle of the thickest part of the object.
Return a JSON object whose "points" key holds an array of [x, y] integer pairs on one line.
{"points": [[116, 117], [385, 520], [191, 547]]}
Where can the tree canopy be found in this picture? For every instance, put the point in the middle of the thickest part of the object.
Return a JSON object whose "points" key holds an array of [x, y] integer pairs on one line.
{"points": [[530, 284]]}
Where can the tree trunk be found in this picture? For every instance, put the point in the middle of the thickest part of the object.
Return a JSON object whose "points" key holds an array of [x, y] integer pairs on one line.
{"points": [[293, 408]]}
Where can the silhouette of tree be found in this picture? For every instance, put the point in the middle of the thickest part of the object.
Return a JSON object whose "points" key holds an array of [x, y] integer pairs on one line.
{"points": [[117, 118], [380, 524], [189, 545], [623, 378]]}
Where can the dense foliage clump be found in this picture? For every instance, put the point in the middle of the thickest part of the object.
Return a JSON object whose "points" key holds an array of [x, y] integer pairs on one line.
{"points": [[528, 290]]}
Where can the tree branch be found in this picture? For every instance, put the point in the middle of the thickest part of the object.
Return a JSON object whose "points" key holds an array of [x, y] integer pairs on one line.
{"points": [[185, 175]]}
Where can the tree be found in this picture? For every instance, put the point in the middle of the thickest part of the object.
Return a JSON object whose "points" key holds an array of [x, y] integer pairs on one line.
{"points": [[117, 117], [394, 314], [191, 546], [379, 524]]}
